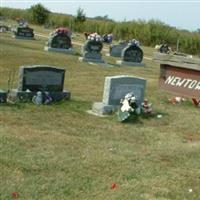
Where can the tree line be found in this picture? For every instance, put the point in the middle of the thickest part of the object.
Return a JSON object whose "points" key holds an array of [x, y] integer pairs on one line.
{"points": [[149, 33]]}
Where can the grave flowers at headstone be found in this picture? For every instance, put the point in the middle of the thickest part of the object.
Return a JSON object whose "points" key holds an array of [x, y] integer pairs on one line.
{"points": [[91, 51], [60, 41], [132, 54], [131, 109], [40, 80]]}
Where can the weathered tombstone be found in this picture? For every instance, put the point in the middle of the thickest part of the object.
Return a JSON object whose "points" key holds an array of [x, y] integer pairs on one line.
{"points": [[24, 32], [3, 96], [115, 88], [116, 49], [92, 49], [60, 41], [42, 78], [179, 74], [132, 55]]}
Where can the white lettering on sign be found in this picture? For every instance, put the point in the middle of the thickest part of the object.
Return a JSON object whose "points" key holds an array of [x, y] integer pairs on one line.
{"points": [[197, 86], [183, 82]]}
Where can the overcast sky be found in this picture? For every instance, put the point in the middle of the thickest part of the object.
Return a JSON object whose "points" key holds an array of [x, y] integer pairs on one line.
{"points": [[183, 14]]}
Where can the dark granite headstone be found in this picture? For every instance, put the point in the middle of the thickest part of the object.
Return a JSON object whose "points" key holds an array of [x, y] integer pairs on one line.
{"points": [[60, 41], [24, 32], [3, 96], [132, 55], [92, 49], [42, 78]]}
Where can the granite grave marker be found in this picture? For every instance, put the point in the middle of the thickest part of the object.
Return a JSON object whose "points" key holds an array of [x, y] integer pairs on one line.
{"points": [[24, 32], [60, 41], [42, 78], [132, 54], [115, 88], [116, 49], [92, 49]]}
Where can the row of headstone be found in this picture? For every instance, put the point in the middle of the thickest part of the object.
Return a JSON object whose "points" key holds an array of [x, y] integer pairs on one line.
{"points": [[60, 41], [50, 79], [131, 53]]}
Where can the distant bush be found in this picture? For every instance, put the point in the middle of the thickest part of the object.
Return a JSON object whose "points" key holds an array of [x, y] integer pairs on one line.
{"points": [[39, 14]]}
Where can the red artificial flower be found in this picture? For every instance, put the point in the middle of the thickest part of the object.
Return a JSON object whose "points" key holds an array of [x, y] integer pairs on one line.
{"points": [[15, 195], [114, 186], [196, 102]]}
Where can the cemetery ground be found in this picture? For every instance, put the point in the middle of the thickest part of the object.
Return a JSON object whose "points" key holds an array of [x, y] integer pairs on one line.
{"points": [[59, 151]]}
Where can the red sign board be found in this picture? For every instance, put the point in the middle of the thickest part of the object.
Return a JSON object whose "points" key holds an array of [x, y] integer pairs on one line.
{"points": [[183, 81]]}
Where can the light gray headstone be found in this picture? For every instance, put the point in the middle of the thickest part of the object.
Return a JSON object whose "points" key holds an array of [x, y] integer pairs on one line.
{"points": [[116, 50], [115, 89]]}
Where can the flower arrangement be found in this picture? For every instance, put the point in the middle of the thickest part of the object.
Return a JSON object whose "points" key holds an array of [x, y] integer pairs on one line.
{"points": [[94, 37], [130, 108], [62, 30], [134, 42]]}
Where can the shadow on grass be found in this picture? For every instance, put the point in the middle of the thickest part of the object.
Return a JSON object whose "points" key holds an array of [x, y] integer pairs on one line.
{"points": [[139, 119], [15, 105], [64, 105]]}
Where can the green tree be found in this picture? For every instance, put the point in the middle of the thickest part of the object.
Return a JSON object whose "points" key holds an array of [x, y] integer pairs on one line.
{"points": [[79, 20], [80, 16], [39, 14]]}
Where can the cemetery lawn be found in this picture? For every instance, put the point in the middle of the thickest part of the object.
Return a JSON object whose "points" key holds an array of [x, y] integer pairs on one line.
{"points": [[60, 152]]}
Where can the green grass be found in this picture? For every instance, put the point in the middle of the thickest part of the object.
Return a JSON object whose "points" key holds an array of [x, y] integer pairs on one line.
{"points": [[60, 152]]}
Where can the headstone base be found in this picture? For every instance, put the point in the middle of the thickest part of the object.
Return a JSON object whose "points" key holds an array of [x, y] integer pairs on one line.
{"points": [[23, 96], [121, 62], [23, 38], [102, 109], [68, 51], [3, 96], [82, 59]]}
